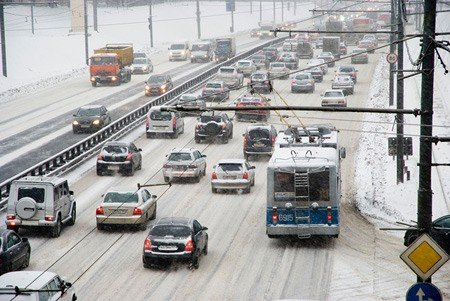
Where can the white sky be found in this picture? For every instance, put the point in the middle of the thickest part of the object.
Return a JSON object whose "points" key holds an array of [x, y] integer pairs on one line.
{"points": [[52, 55]]}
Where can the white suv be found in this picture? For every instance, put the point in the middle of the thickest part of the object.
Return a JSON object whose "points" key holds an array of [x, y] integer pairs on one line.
{"points": [[40, 201]]}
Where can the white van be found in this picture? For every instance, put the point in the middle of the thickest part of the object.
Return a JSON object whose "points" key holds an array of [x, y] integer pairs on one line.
{"points": [[179, 51], [163, 122]]}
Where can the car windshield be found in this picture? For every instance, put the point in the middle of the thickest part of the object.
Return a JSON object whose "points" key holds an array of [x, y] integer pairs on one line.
{"points": [[250, 99], [115, 149], [177, 46], [259, 134], [160, 115], [156, 79], [103, 60], [277, 65], [121, 197], [343, 79], [170, 230], [139, 54], [230, 167], [140, 61], [180, 157], [89, 112], [333, 94], [213, 85], [187, 98], [208, 118], [200, 47], [37, 194]]}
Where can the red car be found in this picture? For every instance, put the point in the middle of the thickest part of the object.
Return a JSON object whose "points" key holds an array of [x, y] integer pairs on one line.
{"points": [[252, 101]]}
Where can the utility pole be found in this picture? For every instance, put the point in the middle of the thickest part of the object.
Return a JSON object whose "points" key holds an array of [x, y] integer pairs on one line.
{"points": [[399, 117], [274, 21], [86, 44], [199, 34], [251, 7], [232, 21], [295, 6], [94, 12], [150, 22], [2, 39], [425, 194], [282, 10], [32, 17], [260, 10], [392, 50]]}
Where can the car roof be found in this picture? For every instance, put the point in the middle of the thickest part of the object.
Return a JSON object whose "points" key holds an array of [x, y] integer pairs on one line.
{"points": [[26, 279], [258, 126], [174, 221], [183, 150], [91, 106], [235, 161], [212, 113], [332, 90], [123, 189], [41, 179], [120, 143], [215, 82]]}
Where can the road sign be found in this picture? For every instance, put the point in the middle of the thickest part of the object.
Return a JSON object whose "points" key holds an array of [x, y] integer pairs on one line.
{"points": [[407, 146], [230, 5], [391, 58], [423, 291], [424, 256]]}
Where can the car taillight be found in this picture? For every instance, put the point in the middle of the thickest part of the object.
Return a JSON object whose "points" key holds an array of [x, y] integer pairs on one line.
{"points": [[49, 218], [167, 166], [266, 81], [174, 123], [224, 126], [189, 247], [245, 141], [214, 175], [129, 157], [10, 217], [100, 156], [329, 215], [273, 140], [99, 211], [294, 81], [275, 216], [147, 121], [147, 245], [137, 211], [245, 175]]}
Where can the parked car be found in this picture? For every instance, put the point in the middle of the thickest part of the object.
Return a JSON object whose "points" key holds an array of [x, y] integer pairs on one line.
{"points": [[123, 157], [369, 45], [141, 66], [215, 90], [348, 70], [15, 251], [290, 59], [39, 201], [271, 53], [439, 231], [232, 174], [359, 56], [344, 83], [334, 98], [247, 67], [260, 60], [343, 48], [191, 101], [90, 118], [125, 206], [158, 84], [161, 122], [175, 239], [318, 63], [184, 163], [35, 285], [232, 76], [279, 70], [328, 58], [213, 125], [179, 51], [259, 139], [303, 81], [252, 101], [260, 82], [317, 74]]}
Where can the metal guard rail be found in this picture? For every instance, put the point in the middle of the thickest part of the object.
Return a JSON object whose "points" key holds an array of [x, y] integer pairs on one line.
{"points": [[74, 154]]}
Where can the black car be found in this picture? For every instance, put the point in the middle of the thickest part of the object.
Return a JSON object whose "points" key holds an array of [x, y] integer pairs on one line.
{"points": [[214, 125], [119, 156], [15, 251], [439, 231], [259, 139], [158, 84], [260, 82], [175, 239], [90, 118]]}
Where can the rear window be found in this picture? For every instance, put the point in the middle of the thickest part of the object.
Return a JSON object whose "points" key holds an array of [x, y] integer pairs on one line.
{"points": [[243, 64], [121, 197], [301, 76], [346, 69], [115, 149], [226, 70], [171, 230], [37, 194], [318, 189], [161, 116], [259, 134], [213, 86], [230, 166], [333, 94], [258, 76], [206, 119], [180, 157]]}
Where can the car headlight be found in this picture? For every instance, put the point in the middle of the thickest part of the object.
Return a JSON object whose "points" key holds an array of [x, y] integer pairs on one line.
{"points": [[96, 122], [114, 78], [92, 79], [132, 68], [145, 68], [183, 52], [170, 53], [164, 86], [75, 122], [147, 88]]}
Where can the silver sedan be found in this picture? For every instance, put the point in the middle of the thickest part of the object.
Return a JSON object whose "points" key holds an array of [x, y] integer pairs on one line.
{"points": [[233, 174]]}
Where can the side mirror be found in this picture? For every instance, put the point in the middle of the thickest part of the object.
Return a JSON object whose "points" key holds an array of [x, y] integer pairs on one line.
{"points": [[25, 239], [139, 149], [74, 115], [342, 152], [252, 167], [205, 228], [203, 156], [70, 192], [214, 166], [154, 196]]}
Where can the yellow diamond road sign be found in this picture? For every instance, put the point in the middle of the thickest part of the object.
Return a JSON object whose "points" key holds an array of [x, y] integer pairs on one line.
{"points": [[424, 256]]}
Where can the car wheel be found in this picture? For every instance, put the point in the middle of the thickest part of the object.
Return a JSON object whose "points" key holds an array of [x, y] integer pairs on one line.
{"points": [[175, 134], [73, 216], [153, 216], [148, 135], [166, 179], [247, 190], [94, 84], [195, 262], [99, 171], [75, 131], [225, 139], [131, 171], [246, 156], [26, 263], [197, 179], [100, 227], [205, 249], [56, 229], [231, 135], [253, 183], [197, 140], [213, 190], [182, 129]]}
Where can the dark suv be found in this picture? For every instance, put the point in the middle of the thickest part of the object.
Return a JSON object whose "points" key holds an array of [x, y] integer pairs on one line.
{"points": [[439, 231], [121, 156], [213, 125], [90, 118], [259, 139], [260, 82], [175, 238]]}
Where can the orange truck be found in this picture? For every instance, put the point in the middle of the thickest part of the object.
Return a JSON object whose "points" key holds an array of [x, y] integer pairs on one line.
{"points": [[109, 64]]}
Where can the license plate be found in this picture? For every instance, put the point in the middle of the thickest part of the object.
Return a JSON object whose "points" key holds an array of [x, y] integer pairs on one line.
{"points": [[167, 248], [113, 167], [259, 145], [85, 126], [119, 211], [229, 177]]}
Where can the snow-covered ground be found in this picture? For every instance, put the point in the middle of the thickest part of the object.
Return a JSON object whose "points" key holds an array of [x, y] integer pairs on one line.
{"points": [[52, 55]]}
